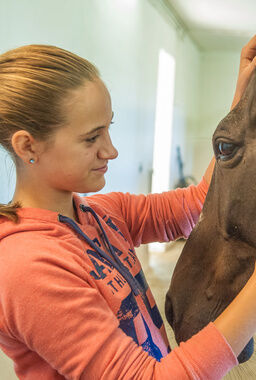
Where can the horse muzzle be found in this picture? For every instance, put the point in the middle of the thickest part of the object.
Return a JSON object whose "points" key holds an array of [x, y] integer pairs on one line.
{"points": [[185, 328]]}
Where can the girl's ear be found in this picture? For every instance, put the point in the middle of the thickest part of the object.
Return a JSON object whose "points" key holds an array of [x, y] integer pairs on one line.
{"points": [[24, 146]]}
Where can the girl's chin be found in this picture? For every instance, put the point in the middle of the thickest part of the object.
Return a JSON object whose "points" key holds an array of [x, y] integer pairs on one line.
{"points": [[94, 188]]}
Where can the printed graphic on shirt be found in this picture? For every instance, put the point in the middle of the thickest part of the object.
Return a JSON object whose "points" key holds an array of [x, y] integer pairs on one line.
{"points": [[113, 226], [103, 267], [131, 320], [127, 315], [129, 309], [153, 311]]}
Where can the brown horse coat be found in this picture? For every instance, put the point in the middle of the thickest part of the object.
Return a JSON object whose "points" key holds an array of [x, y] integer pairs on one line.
{"points": [[219, 256]]}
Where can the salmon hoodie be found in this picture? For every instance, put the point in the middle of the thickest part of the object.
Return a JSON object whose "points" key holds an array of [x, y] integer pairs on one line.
{"points": [[74, 302]]}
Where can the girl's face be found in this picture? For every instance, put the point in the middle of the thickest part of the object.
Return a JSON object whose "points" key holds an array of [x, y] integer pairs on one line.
{"points": [[77, 158]]}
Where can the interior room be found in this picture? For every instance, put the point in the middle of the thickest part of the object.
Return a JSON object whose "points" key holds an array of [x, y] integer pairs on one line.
{"points": [[171, 68]]}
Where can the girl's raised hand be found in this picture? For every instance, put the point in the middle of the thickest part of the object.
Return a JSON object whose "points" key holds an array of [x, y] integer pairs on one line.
{"points": [[247, 64]]}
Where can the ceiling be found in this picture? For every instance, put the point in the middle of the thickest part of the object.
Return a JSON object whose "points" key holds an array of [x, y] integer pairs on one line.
{"points": [[216, 24]]}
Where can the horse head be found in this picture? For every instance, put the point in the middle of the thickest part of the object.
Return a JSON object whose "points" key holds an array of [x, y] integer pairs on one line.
{"points": [[219, 255]]}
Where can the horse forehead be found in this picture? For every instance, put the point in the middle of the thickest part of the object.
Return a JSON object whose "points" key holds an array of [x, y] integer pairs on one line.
{"points": [[233, 125]]}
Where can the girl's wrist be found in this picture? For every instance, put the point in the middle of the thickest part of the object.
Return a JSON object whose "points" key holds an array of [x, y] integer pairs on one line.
{"points": [[237, 323]]}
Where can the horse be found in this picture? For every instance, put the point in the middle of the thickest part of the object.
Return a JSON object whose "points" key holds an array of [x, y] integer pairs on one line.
{"points": [[219, 255]]}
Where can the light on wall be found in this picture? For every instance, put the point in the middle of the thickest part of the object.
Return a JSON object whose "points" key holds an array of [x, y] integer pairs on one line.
{"points": [[163, 129], [163, 123], [127, 3]]}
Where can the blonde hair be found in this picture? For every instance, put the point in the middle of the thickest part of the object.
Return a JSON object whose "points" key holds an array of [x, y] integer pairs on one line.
{"points": [[34, 79]]}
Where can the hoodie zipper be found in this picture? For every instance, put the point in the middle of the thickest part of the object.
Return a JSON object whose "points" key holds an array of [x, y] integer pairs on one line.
{"points": [[111, 257]]}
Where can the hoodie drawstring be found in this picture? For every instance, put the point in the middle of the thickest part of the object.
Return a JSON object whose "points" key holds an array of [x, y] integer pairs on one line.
{"points": [[113, 258]]}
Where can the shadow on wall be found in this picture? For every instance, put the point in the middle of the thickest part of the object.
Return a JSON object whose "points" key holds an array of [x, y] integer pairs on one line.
{"points": [[183, 181]]}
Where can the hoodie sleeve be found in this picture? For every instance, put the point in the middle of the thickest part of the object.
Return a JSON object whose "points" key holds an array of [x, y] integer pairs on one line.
{"points": [[62, 321], [157, 217]]}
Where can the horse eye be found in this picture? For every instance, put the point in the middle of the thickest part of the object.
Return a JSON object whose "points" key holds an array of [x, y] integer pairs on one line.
{"points": [[226, 150]]}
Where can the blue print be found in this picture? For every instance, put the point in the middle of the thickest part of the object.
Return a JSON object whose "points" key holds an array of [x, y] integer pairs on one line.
{"points": [[127, 313], [154, 312]]}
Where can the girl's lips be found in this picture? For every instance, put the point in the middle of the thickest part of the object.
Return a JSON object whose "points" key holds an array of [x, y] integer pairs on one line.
{"points": [[103, 169]]}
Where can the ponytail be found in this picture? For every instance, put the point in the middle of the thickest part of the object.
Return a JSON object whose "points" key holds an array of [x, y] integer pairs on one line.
{"points": [[10, 211]]}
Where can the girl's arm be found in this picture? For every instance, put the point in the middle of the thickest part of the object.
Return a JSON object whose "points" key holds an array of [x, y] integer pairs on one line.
{"points": [[237, 323]]}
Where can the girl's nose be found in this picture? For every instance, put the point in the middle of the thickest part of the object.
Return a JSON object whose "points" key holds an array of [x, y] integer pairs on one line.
{"points": [[107, 150]]}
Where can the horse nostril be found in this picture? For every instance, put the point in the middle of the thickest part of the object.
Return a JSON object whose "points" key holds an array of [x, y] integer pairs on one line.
{"points": [[209, 293]]}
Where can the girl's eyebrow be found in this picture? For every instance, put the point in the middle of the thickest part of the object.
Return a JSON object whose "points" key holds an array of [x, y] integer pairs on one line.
{"points": [[95, 129], [92, 131]]}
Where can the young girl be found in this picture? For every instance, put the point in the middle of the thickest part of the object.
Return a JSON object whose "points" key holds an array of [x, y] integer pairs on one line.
{"points": [[74, 302]]}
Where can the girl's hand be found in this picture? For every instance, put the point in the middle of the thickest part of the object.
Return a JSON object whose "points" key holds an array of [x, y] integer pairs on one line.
{"points": [[253, 276], [247, 64]]}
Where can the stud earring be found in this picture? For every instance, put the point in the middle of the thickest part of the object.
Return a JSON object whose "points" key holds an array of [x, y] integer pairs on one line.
{"points": [[31, 161]]}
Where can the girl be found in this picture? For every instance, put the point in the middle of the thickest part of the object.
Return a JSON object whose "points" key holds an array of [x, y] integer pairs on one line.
{"points": [[74, 302]]}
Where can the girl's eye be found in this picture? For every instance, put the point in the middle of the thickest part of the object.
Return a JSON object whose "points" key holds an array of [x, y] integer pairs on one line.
{"points": [[92, 139], [226, 150]]}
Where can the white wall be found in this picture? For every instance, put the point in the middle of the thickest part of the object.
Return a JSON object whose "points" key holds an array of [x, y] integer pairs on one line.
{"points": [[218, 75], [186, 107]]}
